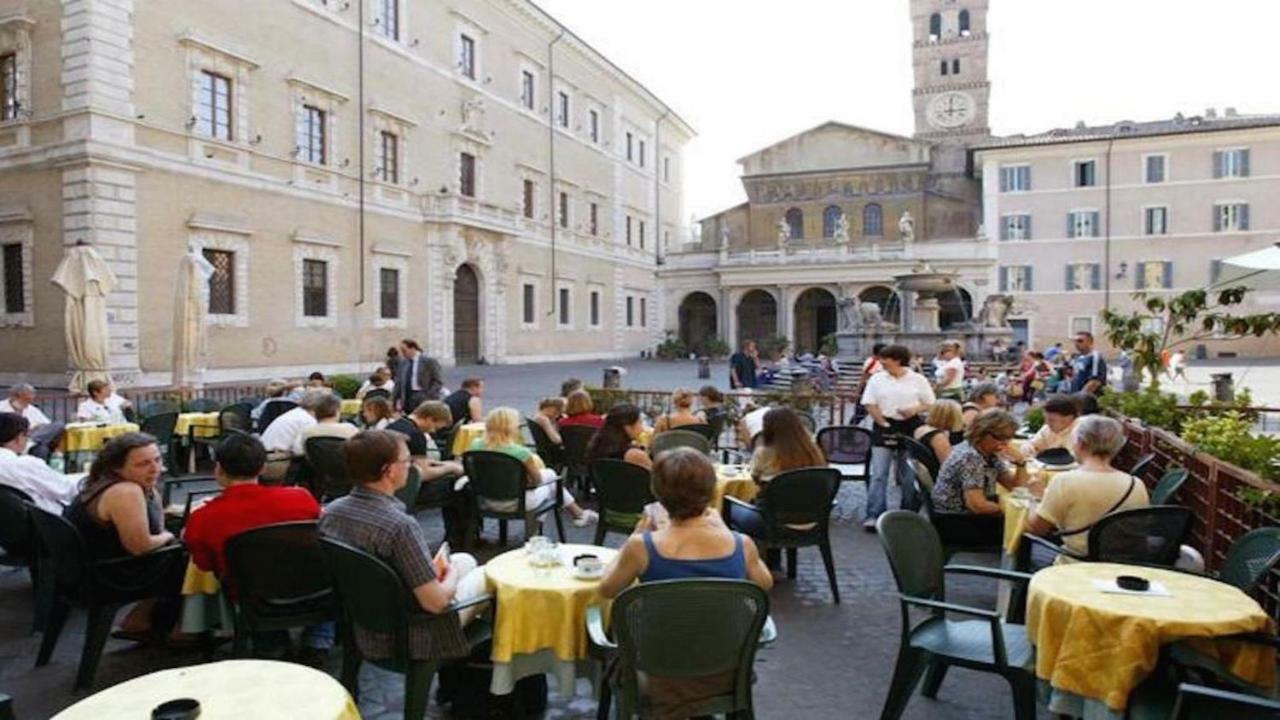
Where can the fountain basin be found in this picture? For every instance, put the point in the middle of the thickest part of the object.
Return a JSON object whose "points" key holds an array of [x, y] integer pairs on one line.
{"points": [[927, 283]]}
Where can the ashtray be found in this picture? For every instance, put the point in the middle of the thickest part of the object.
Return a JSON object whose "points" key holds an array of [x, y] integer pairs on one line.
{"points": [[180, 709], [1133, 582]]}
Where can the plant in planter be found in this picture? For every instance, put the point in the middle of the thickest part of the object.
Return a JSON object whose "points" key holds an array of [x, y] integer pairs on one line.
{"points": [[1149, 405], [714, 348], [345, 385], [774, 347], [672, 348], [829, 346], [1230, 437]]}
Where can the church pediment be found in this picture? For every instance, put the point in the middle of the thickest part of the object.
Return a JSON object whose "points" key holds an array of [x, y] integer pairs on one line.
{"points": [[835, 146]]}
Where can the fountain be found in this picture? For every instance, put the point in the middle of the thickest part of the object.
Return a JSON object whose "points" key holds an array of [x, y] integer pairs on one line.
{"points": [[917, 294]]}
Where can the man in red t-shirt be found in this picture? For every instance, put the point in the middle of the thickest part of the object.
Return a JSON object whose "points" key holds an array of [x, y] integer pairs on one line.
{"points": [[245, 505]]}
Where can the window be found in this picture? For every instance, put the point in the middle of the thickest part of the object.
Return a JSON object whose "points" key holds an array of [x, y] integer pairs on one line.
{"points": [[1230, 217], [1085, 174], [644, 320], [594, 219], [1155, 220], [666, 169], [14, 280], [795, 224], [222, 283], [945, 67], [562, 109], [467, 174], [312, 143], [955, 66], [628, 229], [1015, 278], [935, 27], [965, 31], [1083, 276], [1080, 324], [593, 118], [595, 308], [213, 111], [1015, 178], [1015, 227], [389, 293], [1231, 163], [386, 18], [8, 86], [526, 89], [872, 221], [527, 200], [565, 308], [831, 220], [467, 56], [1082, 224], [315, 288], [630, 311], [388, 160], [564, 209], [630, 149], [642, 153], [1154, 275], [1155, 168], [641, 234], [527, 315]]}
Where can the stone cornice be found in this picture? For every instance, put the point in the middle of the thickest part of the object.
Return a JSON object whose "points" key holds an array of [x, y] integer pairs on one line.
{"points": [[191, 39], [397, 117], [219, 222], [295, 80]]}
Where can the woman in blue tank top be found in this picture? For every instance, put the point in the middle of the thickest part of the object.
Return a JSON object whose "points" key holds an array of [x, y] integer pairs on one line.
{"points": [[680, 537]]}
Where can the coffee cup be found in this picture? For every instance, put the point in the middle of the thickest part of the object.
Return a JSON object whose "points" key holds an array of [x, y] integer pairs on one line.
{"points": [[588, 564]]}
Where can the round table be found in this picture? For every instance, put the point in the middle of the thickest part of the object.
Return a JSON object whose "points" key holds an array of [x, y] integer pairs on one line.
{"points": [[734, 481], [83, 440], [466, 434], [541, 616], [350, 408], [228, 690], [206, 424], [1101, 645], [1016, 509]]}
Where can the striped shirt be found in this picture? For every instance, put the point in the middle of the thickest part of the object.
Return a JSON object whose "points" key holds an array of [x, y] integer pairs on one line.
{"points": [[379, 525]]}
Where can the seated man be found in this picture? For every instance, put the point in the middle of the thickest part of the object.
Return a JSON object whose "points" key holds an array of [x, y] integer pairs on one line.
{"points": [[49, 489], [467, 401], [281, 438], [372, 519], [1061, 415], [328, 412], [43, 435], [437, 476], [245, 505]]}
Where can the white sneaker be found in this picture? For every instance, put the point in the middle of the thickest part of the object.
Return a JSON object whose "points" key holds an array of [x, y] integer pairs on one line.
{"points": [[869, 525], [588, 517]]}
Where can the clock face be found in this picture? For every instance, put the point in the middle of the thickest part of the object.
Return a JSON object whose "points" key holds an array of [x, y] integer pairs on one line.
{"points": [[950, 110]]}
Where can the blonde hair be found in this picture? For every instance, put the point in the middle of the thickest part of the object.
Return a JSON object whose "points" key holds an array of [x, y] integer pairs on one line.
{"points": [[578, 402], [682, 398], [946, 415], [502, 428], [993, 423]]}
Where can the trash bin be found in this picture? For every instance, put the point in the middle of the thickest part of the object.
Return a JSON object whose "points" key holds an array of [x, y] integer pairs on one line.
{"points": [[704, 368], [612, 378], [1224, 388]]}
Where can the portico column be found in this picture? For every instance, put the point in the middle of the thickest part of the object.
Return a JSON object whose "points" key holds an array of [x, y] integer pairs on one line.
{"points": [[784, 315]]}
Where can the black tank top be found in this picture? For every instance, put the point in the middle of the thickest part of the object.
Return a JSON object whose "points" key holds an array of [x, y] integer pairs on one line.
{"points": [[102, 540]]}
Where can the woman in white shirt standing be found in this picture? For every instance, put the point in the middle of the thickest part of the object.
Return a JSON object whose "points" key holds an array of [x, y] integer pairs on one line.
{"points": [[894, 399], [949, 372]]}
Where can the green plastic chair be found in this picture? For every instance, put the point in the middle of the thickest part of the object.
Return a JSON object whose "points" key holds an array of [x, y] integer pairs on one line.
{"points": [[6, 708], [373, 597], [160, 425], [409, 493], [329, 463], [652, 626], [203, 405], [678, 438], [929, 647], [1197, 702], [496, 477], [1169, 483], [624, 489]]}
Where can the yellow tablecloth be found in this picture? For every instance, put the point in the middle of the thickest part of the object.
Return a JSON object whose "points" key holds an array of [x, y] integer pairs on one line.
{"points": [[734, 481], [1016, 510], [90, 437], [465, 435], [1102, 645], [351, 407], [646, 437], [206, 424], [542, 609], [228, 690], [199, 582]]}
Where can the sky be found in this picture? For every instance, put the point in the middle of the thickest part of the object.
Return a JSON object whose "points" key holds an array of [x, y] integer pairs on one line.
{"points": [[747, 73]]}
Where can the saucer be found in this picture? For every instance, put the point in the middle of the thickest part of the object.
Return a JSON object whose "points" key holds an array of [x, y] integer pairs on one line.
{"points": [[582, 574]]}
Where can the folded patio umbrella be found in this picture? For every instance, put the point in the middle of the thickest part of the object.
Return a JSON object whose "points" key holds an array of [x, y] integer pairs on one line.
{"points": [[1259, 269], [87, 280], [189, 319]]}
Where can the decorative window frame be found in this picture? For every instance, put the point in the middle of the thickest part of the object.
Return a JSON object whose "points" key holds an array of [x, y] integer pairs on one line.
{"points": [[208, 232], [1090, 211], [463, 25], [388, 258], [1168, 219], [527, 65], [1015, 166], [401, 23], [523, 279], [18, 227], [565, 285], [1231, 149], [571, 222], [467, 144], [1143, 169], [598, 109], [535, 176], [1071, 324], [383, 120], [304, 92], [564, 123], [207, 56], [308, 246], [15, 37], [1218, 205], [1075, 164]]}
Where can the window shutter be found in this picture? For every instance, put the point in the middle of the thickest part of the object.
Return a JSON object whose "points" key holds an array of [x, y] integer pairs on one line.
{"points": [[1168, 274], [1140, 282], [1217, 164], [1026, 224], [1095, 276], [1030, 273], [1097, 223], [1066, 283], [1071, 224], [1244, 163], [1244, 216], [1004, 279], [1004, 180], [1217, 218], [1004, 228], [1215, 271]]}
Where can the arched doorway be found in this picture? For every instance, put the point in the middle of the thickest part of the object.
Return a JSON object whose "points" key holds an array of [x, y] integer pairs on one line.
{"points": [[887, 299], [466, 316], [815, 314], [954, 308], [697, 321], [757, 316]]}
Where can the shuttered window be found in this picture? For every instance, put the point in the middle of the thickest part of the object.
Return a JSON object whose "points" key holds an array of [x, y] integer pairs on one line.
{"points": [[389, 293], [315, 288], [222, 283], [15, 280]]}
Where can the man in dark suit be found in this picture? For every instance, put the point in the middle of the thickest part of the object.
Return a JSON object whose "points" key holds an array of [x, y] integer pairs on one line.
{"points": [[420, 377]]}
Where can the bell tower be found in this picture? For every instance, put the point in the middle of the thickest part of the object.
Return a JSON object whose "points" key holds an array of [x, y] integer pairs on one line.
{"points": [[952, 93]]}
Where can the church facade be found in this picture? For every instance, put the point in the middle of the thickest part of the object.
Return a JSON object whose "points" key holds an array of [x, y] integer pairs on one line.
{"points": [[837, 211]]}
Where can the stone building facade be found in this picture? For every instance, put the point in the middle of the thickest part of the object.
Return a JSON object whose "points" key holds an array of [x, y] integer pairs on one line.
{"points": [[471, 174]]}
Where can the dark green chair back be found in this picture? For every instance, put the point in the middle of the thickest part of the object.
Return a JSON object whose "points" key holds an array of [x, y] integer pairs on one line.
{"points": [[653, 623], [409, 493], [1145, 536], [156, 407], [624, 489], [160, 426], [678, 438], [236, 417], [1251, 557], [1141, 465], [61, 548], [1169, 484], [703, 429], [915, 553], [1197, 702], [372, 595], [16, 536], [495, 476], [799, 497], [203, 405], [576, 438], [845, 444], [279, 576], [551, 454], [325, 456]]}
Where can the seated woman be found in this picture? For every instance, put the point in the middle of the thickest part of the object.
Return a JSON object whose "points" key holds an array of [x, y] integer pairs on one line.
{"points": [[682, 413], [502, 434], [328, 412], [1061, 414], [711, 406], [944, 418], [102, 405], [376, 413], [118, 513], [984, 396], [785, 444], [550, 410], [1077, 499], [617, 439], [966, 481], [579, 410]]}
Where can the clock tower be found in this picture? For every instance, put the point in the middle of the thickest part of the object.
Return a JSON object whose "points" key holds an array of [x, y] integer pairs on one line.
{"points": [[952, 93]]}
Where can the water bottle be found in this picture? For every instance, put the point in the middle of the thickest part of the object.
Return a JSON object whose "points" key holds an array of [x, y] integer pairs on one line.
{"points": [[58, 462]]}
